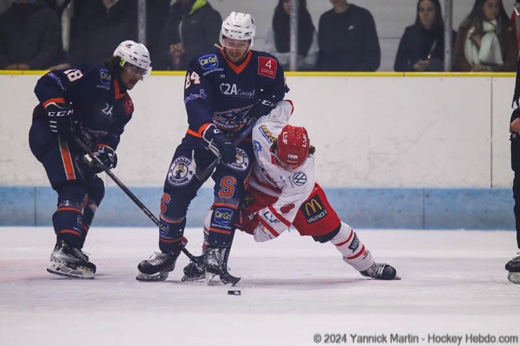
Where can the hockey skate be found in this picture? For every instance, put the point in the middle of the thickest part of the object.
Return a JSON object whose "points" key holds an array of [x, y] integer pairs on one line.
{"points": [[381, 271], [194, 272], [158, 267], [513, 267], [215, 263], [69, 261]]}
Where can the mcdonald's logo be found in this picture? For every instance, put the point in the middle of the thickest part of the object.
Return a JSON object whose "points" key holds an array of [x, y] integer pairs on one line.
{"points": [[313, 205]]}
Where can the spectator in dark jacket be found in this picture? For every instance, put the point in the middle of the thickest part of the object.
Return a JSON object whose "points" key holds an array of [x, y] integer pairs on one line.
{"points": [[422, 45], [191, 29], [100, 26], [347, 38], [29, 36]]}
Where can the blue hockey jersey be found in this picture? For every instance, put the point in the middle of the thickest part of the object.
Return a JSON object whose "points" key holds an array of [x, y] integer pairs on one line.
{"points": [[102, 107], [220, 92]]}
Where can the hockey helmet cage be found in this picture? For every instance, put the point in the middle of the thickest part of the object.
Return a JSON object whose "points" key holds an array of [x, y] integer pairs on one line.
{"points": [[292, 145], [238, 26], [135, 54]]}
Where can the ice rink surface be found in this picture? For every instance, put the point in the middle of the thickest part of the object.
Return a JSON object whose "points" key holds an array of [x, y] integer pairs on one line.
{"points": [[293, 292]]}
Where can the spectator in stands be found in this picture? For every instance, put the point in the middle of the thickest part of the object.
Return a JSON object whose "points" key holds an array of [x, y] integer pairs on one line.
{"points": [[191, 29], [347, 39], [278, 38], [97, 27], [30, 36], [486, 40], [422, 45]]}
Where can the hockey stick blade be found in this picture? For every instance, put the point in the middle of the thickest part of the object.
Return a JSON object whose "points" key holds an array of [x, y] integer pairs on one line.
{"points": [[227, 278]]}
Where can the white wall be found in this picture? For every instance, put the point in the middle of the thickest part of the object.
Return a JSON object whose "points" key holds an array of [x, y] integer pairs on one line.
{"points": [[380, 131]]}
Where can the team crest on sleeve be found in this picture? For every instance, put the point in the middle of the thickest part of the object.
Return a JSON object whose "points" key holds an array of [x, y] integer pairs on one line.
{"points": [[267, 66], [242, 161], [104, 78], [208, 62], [181, 171]]}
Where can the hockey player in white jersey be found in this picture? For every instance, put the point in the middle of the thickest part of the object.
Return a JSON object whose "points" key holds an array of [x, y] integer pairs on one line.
{"points": [[283, 191]]}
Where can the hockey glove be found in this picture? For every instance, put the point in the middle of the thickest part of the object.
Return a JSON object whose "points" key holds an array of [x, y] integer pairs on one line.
{"points": [[246, 221], [61, 119], [106, 155], [216, 139], [262, 107]]}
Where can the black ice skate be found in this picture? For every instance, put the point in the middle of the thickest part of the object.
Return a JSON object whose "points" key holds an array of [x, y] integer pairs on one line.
{"points": [[194, 272], [158, 266], [513, 267], [215, 263], [69, 261], [381, 271]]}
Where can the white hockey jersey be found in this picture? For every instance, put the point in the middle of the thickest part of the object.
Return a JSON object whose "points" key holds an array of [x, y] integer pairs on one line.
{"points": [[291, 187]]}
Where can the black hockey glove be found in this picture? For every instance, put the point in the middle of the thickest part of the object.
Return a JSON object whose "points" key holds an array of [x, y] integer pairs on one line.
{"points": [[262, 107], [106, 155], [61, 119], [216, 139]]}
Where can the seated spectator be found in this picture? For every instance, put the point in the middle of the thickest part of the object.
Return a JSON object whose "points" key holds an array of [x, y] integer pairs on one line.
{"points": [[30, 36], [278, 38], [422, 45], [97, 27], [347, 38], [486, 40], [191, 29]]}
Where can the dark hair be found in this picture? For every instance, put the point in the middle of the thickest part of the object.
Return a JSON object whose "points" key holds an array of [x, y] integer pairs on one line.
{"points": [[438, 23], [281, 28], [113, 64], [476, 17]]}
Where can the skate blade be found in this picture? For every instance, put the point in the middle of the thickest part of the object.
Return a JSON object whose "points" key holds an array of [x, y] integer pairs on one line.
{"points": [[514, 277], [161, 276], [78, 273], [193, 279]]}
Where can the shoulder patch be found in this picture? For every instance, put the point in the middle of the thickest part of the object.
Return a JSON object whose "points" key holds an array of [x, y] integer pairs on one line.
{"points": [[267, 66], [208, 62], [104, 77], [128, 104]]}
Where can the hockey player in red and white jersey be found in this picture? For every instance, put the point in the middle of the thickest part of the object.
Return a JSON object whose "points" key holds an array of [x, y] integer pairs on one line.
{"points": [[283, 192]]}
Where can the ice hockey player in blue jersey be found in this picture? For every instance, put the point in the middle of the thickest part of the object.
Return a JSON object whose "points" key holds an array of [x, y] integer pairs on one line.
{"points": [[223, 89], [89, 103]]}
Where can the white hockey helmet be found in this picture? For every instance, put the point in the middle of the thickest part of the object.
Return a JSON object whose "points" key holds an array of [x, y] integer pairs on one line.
{"points": [[238, 26], [133, 53]]}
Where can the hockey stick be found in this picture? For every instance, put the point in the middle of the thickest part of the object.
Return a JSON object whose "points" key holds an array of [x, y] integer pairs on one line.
{"points": [[203, 174], [83, 146]]}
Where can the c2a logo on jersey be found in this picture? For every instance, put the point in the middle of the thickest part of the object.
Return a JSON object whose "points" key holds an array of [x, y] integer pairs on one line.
{"points": [[313, 209], [208, 62], [267, 66]]}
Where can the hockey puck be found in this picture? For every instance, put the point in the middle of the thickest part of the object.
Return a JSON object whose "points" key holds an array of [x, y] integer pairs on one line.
{"points": [[234, 292]]}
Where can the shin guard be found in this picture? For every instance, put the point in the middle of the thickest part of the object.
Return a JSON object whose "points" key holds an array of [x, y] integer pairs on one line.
{"points": [[353, 250]]}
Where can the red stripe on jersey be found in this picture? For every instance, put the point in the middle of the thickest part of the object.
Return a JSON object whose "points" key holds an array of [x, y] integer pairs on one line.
{"points": [[170, 241], [235, 68], [70, 231], [53, 100], [66, 158], [348, 239], [216, 230], [358, 254], [278, 216], [268, 227]]}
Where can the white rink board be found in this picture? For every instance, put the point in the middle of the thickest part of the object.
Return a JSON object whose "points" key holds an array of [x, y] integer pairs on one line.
{"points": [[369, 131]]}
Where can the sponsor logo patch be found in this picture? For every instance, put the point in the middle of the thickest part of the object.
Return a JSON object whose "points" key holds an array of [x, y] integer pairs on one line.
{"points": [[222, 217], [181, 171], [104, 77], [313, 210], [299, 178], [267, 66], [208, 62], [192, 96], [287, 208]]}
